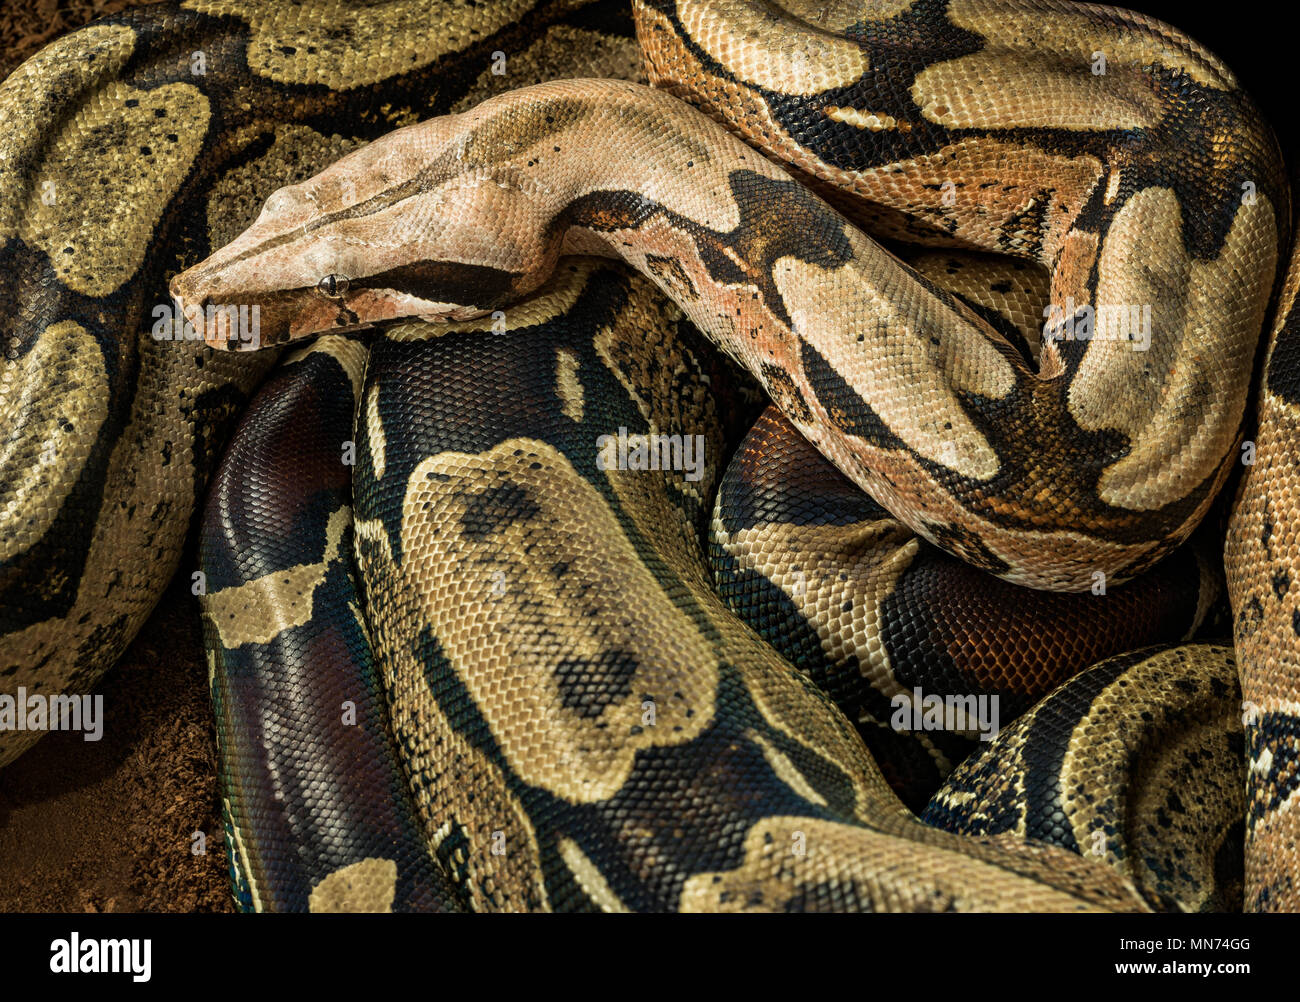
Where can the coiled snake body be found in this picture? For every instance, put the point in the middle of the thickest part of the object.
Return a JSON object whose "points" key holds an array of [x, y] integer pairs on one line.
{"points": [[581, 719]]}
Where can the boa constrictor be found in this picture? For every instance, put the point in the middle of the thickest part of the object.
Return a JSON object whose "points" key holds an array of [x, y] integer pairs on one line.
{"points": [[581, 720]]}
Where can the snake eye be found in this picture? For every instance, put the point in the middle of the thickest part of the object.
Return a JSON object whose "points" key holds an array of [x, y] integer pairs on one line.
{"points": [[334, 286]]}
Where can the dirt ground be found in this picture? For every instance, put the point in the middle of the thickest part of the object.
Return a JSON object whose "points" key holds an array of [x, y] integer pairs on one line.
{"points": [[108, 826]]}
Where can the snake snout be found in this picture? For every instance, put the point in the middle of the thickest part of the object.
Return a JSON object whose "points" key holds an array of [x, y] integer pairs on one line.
{"points": [[235, 323]]}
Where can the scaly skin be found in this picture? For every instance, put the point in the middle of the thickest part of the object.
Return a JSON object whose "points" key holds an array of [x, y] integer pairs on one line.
{"points": [[1127, 186], [909, 392]]}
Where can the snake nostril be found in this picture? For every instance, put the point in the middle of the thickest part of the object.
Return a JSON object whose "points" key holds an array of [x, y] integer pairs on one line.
{"points": [[334, 286]]}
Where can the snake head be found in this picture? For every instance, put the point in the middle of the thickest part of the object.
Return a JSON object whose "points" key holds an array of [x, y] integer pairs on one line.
{"points": [[427, 221]]}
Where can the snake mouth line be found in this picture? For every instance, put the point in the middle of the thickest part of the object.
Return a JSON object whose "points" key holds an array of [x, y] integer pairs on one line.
{"points": [[269, 321], [332, 305]]}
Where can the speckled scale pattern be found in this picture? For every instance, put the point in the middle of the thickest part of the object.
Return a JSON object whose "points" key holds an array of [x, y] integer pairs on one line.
{"points": [[979, 123], [133, 147], [1137, 761], [585, 724], [318, 810], [529, 609], [1263, 563], [849, 594]]}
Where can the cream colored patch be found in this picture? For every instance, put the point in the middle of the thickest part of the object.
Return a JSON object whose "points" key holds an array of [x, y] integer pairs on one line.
{"points": [[439, 836], [958, 799], [53, 402], [840, 15], [971, 92], [886, 872], [568, 384], [368, 885], [256, 611], [897, 363], [341, 45], [823, 568], [1180, 401], [860, 119], [768, 48], [786, 771], [562, 51], [1073, 34], [1113, 180], [1036, 71], [589, 877], [210, 656], [561, 659], [373, 532], [375, 434], [37, 98], [114, 167]]}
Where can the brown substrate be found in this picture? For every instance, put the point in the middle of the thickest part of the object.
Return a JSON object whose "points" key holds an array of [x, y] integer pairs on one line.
{"points": [[108, 825], [26, 28]]}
